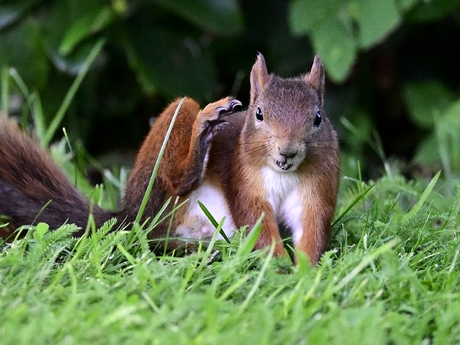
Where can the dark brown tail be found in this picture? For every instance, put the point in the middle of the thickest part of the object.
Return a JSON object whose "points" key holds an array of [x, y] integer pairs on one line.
{"points": [[34, 189]]}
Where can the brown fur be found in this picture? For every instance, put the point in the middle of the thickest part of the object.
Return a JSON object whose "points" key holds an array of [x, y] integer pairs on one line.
{"points": [[282, 166], [240, 152], [29, 179], [182, 167], [243, 151]]}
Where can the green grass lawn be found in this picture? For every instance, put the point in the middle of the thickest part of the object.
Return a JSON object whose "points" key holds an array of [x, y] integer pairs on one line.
{"points": [[390, 277]]}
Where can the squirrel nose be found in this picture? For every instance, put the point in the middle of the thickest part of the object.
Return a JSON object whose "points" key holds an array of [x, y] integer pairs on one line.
{"points": [[288, 154]]}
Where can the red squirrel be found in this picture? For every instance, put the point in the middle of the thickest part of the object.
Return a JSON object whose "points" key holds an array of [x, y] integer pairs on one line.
{"points": [[34, 189], [279, 157]]}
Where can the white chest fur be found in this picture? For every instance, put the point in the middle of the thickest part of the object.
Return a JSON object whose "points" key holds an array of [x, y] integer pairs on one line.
{"points": [[282, 192], [285, 198], [195, 223]]}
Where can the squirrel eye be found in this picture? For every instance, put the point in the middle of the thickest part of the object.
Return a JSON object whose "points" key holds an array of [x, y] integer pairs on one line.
{"points": [[259, 115], [318, 119]]}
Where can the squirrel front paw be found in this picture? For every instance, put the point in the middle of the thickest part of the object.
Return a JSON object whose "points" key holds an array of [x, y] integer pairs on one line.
{"points": [[212, 116]]}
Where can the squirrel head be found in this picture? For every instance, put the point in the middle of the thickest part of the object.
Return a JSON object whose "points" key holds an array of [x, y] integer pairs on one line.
{"points": [[285, 122]]}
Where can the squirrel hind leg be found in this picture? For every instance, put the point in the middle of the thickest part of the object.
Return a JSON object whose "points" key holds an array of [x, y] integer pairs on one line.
{"points": [[212, 117], [207, 123]]}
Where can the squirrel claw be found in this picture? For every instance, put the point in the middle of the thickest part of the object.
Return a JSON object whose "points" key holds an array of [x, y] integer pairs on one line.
{"points": [[223, 111], [215, 111], [219, 126], [212, 116]]}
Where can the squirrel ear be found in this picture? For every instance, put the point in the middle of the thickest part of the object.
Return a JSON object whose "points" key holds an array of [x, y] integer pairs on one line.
{"points": [[259, 76], [316, 76]]}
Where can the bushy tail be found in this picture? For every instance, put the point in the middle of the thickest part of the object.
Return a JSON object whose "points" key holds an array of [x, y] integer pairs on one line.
{"points": [[34, 189]]}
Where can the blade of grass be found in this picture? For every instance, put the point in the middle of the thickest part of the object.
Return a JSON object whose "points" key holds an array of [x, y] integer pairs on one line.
{"points": [[75, 177], [19, 82], [38, 118], [171, 219], [213, 221], [204, 259], [159, 214], [25, 92], [72, 91], [233, 288], [260, 276], [41, 210], [443, 137], [366, 260], [5, 90], [248, 244], [157, 164], [352, 204], [176, 207], [422, 199], [128, 256], [153, 223]]}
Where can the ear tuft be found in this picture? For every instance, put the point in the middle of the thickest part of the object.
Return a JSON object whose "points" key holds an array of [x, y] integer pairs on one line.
{"points": [[316, 76], [259, 77]]}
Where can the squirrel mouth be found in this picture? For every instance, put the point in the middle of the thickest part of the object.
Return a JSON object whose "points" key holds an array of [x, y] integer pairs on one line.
{"points": [[283, 165]]}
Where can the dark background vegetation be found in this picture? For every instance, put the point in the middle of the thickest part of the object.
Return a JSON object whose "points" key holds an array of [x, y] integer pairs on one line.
{"points": [[392, 66]]}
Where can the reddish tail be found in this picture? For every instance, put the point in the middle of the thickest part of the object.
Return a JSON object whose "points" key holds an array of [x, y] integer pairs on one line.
{"points": [[29, 179]]}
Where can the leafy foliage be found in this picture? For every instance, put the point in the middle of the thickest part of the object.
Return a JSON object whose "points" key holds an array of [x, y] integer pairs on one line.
{"points": [[340, 28], [155, 50], [432, 106]]}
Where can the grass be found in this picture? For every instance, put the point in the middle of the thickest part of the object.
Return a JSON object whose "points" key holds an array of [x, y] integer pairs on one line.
{"points": [[390, 276], [396, 283]]}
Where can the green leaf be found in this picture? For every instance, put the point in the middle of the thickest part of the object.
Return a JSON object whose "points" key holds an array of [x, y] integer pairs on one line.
{"points": [[432, 10], [84, 27], [335, 43], [171, 63], [405, 5], [427, 153], [72, 63], [425, 100], [21, 47], [440, 148], [306, 16], [67, 42], [218, 16], [12, 11], [40, 230], [64, 15], [376, 19], [448, 136], [331, 33]]}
